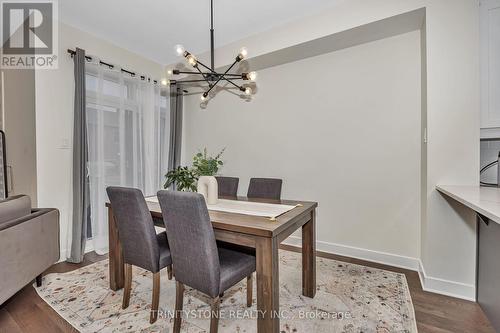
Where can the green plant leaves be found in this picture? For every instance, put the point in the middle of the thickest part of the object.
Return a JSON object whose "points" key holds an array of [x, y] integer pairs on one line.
{"points": [[183, 177], [186, 178], [205, 165]]}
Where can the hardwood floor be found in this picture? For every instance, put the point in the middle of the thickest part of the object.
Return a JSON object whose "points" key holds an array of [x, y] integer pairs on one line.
{"points": [[27, 312]]}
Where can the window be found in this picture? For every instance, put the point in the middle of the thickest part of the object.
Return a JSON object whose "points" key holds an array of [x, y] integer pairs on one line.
{"points": [[128, 128]]}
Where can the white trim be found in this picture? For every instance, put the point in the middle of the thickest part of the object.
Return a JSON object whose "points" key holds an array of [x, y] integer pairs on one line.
{"points": [[359, 253], [490, 133], [429, 283], [446, 287]]}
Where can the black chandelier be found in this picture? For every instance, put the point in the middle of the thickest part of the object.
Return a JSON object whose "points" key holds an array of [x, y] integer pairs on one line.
{"points": [[209, 75]]}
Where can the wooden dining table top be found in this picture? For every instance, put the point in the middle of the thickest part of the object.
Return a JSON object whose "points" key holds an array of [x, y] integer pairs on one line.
{"points": [[249, 224]]}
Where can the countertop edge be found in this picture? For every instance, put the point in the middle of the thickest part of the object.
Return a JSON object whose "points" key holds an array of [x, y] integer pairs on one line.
{"points": [[442, 189]]}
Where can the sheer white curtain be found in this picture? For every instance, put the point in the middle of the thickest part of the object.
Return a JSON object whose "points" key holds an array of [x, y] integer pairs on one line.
{"points": [[128, 124]]}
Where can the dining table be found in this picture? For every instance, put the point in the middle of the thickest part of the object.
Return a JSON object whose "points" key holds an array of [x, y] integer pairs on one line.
{"points": [[258, 232]]}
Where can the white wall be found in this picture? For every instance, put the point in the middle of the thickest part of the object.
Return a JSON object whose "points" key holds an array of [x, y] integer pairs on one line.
{"points": [[348, 138], [448, 246], [54, 117]]}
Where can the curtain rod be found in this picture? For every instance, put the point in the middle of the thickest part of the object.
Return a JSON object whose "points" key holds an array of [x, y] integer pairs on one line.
{"points": [[88, 58]]}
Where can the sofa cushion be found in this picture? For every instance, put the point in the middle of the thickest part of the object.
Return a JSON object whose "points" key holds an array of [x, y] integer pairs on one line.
{"points": [[14, 207]]}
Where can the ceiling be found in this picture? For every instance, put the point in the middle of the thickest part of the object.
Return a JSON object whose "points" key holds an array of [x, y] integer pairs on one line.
{"points": [[152, 28]]}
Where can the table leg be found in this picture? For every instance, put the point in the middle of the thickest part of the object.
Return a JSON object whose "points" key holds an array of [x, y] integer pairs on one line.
{"points": [[309, 257], [116, 266], [267, 285]]}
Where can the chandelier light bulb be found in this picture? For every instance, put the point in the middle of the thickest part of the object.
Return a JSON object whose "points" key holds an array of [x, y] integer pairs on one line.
{"points": [[191, 59], [243, 52], [170, 72], [252, 76], [248, 91], [179, 49], [204, 96], [165, 82]]}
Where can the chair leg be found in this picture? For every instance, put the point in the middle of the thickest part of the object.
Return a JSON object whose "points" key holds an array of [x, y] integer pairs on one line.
{"points": [[127, 286], [39, 280], [156, 298], [249, 290], [169, 272], [214, 320], [179, 299]]}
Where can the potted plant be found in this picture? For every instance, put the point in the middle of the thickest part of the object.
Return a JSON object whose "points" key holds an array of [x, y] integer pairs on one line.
{"points": [[206, 167], [183, 177], [200, 177]]}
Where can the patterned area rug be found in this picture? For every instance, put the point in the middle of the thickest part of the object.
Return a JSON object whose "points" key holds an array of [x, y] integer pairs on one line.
{"points": [[349, 298]]}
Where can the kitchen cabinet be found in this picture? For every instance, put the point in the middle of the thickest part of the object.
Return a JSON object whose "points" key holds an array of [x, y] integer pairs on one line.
{"points": [[490, 68]]}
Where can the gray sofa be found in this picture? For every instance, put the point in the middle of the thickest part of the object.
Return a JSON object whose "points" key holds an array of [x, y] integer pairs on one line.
{"points": [[29, 243]]}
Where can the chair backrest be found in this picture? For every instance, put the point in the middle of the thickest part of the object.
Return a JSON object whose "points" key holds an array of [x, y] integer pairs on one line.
{"points": [[265, 188], [192, 240], [228, 186], [135, 228]]}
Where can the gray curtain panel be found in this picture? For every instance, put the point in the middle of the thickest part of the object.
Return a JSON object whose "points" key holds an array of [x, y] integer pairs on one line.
{"points": [[81, 189], [174, 155]]}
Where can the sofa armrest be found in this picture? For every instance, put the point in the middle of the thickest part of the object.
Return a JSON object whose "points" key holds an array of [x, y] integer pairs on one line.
{"points": [[28, 246], [34, 214]]}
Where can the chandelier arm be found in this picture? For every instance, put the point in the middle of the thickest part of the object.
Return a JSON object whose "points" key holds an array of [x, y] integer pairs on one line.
{"points": [[188, 72], [206, 67], [237, 76], [203, 74], [222, 76], [234, 84], [189, 81]]}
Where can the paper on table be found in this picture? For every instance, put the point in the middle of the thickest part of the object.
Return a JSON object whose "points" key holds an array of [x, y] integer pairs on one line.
{"points": [[245, 207]]}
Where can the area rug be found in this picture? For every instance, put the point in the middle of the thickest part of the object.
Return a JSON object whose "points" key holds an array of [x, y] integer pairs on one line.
{"points": [[349, 298]]}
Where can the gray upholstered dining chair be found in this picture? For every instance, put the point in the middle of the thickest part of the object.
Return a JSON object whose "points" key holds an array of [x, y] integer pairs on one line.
{"points": [[228, 186], [265, 188], [198, 262], [141, 246]]}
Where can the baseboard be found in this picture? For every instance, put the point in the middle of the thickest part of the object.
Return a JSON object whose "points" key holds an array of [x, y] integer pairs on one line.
{"points": [[363, 254], [429, 283], [446, 287]]}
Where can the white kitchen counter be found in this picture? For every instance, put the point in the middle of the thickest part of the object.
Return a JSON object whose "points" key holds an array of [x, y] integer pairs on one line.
{"points": [[484, 200]]}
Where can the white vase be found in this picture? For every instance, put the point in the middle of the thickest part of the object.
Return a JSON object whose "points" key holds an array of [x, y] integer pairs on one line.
{"points": [[207, 185]]}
